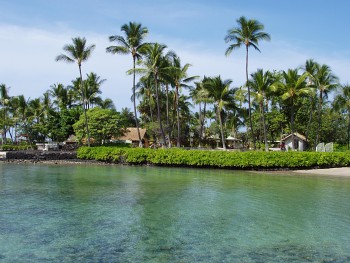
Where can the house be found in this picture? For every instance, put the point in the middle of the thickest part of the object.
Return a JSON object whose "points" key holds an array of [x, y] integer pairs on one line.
{"points": [[234, 143], [131, 136], [299, 142], [71, 139]]}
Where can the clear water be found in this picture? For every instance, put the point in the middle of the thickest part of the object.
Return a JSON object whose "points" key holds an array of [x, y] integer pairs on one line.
{"points": [[80, 213]]}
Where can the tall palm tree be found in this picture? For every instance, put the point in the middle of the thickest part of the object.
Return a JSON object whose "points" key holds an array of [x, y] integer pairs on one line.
{"points": [[78, 52], [325, 81], [310, 69], [342, 103], [4, 101], [248, 33], [260, 83], [220, 91], [180, 78], [156, 66], [22, 111], [291, 88], [200, 95], [132, 44], [145, 94]]}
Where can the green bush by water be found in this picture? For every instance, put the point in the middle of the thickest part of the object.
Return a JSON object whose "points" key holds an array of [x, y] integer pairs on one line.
{"points": [[215, 159], [12, 147]]}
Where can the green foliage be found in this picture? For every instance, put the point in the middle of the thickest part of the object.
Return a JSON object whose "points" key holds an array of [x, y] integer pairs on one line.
{"points": [[11, 147], [340, 147], [103, 124], [59, 124], [216, 159]]}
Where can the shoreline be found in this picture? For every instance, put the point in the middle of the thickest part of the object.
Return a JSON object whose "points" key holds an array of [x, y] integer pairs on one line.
{"points": [[339, 171]]}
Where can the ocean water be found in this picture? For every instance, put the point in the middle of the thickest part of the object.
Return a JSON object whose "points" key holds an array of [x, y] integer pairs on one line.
{"points": [[86, 213]]}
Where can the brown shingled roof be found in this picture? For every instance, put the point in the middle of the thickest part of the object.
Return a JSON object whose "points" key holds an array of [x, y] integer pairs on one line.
{"points": [[131, 134]]}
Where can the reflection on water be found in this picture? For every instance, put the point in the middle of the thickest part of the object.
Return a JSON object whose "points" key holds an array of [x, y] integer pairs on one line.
{"points": [[147, 214]]}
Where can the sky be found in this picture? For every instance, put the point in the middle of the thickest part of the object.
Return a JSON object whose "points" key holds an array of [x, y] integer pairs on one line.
{"points": [[33, 33]]}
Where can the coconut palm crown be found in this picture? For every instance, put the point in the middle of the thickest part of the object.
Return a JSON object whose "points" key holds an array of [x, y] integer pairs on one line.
{"points": [[247, 33], [132, 44], [78, 52]]}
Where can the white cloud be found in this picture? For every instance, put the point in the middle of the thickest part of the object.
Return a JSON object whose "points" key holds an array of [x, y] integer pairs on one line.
{"points": [[29, 67], [28, 61]]}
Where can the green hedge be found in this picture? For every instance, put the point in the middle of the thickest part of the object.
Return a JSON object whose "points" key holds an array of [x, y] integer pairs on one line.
{"points": [[10, 147], [215, 159]]}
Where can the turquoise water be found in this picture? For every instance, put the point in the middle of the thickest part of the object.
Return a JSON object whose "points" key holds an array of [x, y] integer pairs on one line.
{"points": [[80, 213]]}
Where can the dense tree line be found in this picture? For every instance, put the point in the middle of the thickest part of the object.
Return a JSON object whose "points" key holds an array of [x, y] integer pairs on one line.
{"points": [[176, 107]]}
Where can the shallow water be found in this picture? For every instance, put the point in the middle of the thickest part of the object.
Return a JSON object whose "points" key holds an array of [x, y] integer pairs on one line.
{"points": [[80, 213]]}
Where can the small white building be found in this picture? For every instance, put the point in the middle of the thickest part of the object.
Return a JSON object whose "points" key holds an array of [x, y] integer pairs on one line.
{"points": [[299, 142], [234, 143]]}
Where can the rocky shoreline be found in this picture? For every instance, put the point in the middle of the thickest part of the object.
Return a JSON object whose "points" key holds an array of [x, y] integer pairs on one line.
{"points": [[41, 155], [47, 157]]}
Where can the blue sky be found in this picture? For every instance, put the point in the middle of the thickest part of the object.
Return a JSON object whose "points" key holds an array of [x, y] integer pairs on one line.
{"points": [[32, 34]]}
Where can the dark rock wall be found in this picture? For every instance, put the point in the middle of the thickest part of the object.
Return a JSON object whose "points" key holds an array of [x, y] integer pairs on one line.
{"points": [[41, 155]]}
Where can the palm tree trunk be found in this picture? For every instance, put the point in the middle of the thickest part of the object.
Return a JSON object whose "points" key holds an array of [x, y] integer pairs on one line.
{"points": [[134, 97], [15, 133], [177, 116], [264, 126], [84, 108], [309, 122], [167, 115], [158, 111], [349, 130], [292, 124], [249, 102], [150, 105], [4, 131], [221, 129], [11, 136], [201, 125], [203, 119], [319, 119]]}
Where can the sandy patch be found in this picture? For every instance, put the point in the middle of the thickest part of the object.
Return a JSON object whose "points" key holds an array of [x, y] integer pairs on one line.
{"points": [[343, 171]]}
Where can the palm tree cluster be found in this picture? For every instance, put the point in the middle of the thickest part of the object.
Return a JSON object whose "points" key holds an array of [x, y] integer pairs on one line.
{"points": [[264, 108], [53, 114]]}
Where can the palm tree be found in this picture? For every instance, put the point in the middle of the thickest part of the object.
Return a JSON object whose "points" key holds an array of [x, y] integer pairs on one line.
{"points": [[220, 91], [324, 81], [248, 33], [342, 103], [4, 101], [91, 90], [180, 78], [291, 88], [260, 83], [310, 69], [22, 111], [156, 66], [145, 94], [78, 52], [46, 102], [200, 95], [60, 95], [132, 44], [106, 104]]}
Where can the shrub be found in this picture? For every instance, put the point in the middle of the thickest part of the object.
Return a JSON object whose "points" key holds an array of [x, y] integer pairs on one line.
{"points": [[21, 147], [215, 159]]}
